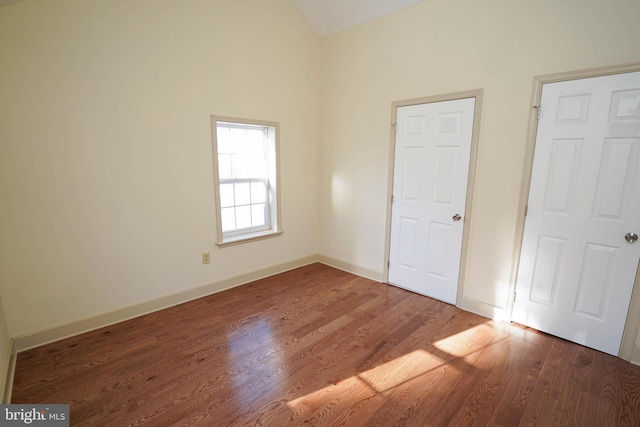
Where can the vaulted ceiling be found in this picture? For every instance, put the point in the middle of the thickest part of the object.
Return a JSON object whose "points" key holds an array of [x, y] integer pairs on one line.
{"points": [[332, 16]]}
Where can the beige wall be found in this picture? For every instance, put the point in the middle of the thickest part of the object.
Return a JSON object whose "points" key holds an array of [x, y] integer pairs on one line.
{"points": [[105, 146], [443, 46]]}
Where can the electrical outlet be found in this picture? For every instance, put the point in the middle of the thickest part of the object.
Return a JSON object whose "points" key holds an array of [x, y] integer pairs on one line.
{"points": [[206, 257]]}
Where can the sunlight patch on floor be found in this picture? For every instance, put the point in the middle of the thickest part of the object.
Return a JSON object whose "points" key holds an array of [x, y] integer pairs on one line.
{"points": [[350, 390], [400, 370], [384, 379], [457, 345], [380, 379]]}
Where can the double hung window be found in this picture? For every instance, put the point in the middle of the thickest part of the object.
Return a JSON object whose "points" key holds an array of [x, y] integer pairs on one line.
{"points": [[246, 172]]}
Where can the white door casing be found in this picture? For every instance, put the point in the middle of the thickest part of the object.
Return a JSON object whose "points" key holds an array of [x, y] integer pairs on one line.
{"points": [[576, 270], [431, 168]]}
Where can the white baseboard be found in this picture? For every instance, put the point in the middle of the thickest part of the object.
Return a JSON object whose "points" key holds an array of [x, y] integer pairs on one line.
{"points": [[635, 356], [350, 268], [6, 375], [56, 333], [483, 309]]}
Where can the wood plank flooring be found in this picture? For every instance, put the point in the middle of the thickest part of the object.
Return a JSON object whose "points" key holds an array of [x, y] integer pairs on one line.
{"points": [[320, 347]]}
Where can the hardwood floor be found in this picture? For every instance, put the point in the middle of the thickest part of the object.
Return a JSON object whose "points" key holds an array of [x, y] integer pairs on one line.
{"points": [[320, 347]]}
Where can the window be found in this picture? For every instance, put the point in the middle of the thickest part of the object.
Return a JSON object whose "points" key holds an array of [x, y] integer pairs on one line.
{"points": [[245, 172]]}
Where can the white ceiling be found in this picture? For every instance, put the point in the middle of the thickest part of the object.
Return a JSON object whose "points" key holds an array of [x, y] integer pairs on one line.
{"points": [[331, 16]]}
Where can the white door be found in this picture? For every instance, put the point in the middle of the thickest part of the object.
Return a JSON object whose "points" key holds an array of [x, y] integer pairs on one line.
{"points": [[433, 145], [577, 269]]}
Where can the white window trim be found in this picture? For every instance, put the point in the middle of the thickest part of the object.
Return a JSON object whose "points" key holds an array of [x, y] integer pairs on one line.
{"points": [[275, 228]]}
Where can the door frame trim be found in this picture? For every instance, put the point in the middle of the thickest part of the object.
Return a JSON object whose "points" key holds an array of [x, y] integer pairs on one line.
{"points": [[632, 325], [475, 138]]}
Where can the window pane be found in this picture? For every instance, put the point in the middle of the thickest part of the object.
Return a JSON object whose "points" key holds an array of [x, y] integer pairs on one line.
{"points": [[242, 193], [238, 140], [228, 219], [226, 195], [258, 192], [243, 217], [223, 140], [256, 166], [255, 139], [224, 166], [240, 166], [258, 216]]}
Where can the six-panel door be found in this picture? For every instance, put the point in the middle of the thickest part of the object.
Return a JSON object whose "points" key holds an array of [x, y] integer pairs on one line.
{"points": [[577, 270], [433, 145]]}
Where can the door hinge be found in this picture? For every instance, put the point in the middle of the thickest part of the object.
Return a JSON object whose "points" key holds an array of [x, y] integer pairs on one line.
{"points": [[388, 264], [514, 297], [538, 108], [392, 199], [395, 127], [526, 209]]}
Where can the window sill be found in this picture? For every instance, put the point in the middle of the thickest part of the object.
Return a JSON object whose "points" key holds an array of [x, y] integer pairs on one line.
{"points": [[246, 238]]}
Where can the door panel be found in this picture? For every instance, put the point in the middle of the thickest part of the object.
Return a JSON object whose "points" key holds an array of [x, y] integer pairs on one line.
{"points": [[433, 145], [576, 270], [444, 185], [545, 274], [563, 174], [617, 168], [407, 246]]}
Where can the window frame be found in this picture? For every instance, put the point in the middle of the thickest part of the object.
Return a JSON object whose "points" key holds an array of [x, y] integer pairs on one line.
{"points": [[273, 227]]}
